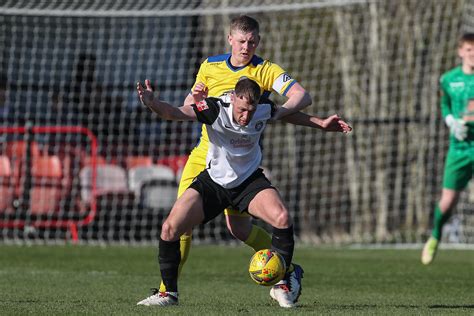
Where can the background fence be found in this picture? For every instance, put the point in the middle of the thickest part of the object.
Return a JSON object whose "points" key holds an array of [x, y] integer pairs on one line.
{"points": [[75, 64]]}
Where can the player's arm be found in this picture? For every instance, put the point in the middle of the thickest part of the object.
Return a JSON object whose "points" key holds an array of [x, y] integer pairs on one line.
{"points": [[189, 99], [298, 99], [445, 101], [164, 109], [331, 124], [457, 126]]}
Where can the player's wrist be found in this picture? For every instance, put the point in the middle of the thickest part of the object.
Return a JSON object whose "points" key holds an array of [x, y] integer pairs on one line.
{"points": [[450, 120]]}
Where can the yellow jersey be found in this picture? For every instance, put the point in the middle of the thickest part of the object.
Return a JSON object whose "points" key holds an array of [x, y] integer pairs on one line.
{"points": [[220, 77]]}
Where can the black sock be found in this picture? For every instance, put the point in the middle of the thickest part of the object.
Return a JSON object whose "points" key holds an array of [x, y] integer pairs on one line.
{"points": [[284, 243], [169, 258]]}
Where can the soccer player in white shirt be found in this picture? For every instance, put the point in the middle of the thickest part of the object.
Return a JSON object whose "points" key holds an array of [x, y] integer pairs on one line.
{"points": [[232, 178]]}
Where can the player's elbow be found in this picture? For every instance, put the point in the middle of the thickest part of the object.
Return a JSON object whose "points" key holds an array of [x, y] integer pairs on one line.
{"points": [[306, 100], [300, 99]]}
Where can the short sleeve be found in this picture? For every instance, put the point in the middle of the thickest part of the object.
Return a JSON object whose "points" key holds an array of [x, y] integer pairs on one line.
{"points": [[277, 79], [207, 110]]}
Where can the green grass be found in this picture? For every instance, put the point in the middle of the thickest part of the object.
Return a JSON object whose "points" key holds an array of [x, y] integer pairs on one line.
{"points": [[65, 280]]}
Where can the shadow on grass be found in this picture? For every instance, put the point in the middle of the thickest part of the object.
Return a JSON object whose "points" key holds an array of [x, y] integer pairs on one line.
{"points": [[408, 306], [451, 306], [364, 306]]}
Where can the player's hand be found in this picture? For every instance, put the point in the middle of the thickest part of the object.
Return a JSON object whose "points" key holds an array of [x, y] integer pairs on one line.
{"points": [[200, 92], [145, 93], [335, 124], [457, 127]]}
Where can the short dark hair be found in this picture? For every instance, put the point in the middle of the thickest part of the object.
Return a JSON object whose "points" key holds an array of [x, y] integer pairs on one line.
{"points": [[249, 89], [466, 38], [245, 24]]}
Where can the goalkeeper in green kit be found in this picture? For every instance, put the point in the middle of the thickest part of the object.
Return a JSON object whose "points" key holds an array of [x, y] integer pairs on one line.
{"points": [[457, 106]]}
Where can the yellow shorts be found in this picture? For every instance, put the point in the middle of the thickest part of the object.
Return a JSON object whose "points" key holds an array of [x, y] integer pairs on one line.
{"points": [[194, 166]]}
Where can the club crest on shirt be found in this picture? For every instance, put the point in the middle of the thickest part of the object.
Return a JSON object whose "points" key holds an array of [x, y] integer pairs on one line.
{"points": [[258, 126], [201, 106]]}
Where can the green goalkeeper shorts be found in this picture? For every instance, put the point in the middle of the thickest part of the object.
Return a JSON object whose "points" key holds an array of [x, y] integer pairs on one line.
{"points": [[458, 169]]}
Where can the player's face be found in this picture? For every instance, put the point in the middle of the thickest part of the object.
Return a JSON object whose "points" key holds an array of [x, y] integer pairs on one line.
{"points": [[243, 47], [242, 110], [466, 52]]}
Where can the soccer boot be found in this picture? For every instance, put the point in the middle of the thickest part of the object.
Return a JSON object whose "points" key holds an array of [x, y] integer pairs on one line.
{"points": [[287, 291], [160, 299], [429, 251]]}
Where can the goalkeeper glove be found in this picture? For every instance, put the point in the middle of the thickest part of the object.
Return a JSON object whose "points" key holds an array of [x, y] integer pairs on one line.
{"points": [[457, 127]]}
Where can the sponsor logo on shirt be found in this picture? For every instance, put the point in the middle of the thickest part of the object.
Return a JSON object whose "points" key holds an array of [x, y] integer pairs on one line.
{"points": [[456, 85], [201, 106], [242, 141]]}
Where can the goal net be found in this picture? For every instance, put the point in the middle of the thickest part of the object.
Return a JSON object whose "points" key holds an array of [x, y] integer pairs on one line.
{"points": [[81, 159]]}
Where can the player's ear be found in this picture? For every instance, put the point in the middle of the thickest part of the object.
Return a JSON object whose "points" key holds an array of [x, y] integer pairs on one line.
{"points": [[461, 50], [229, 38]]}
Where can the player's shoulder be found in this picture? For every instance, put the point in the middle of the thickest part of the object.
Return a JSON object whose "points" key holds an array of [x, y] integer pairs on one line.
{"points": [[451, 74], [217, 58], [270, 108], [267, 102], [264, 112], [216, 102], [208, 110], [260, 61]]}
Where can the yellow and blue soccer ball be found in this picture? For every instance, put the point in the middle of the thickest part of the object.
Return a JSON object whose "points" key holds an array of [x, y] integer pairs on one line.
{"points": [[267, 267]]}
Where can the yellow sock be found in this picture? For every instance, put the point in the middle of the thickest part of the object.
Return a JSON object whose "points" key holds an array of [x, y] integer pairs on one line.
{"points": [[184, 247], [259, 239]]}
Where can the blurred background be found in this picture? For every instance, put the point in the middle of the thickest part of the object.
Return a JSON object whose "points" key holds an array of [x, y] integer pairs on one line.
{"points": [[82, 160]]}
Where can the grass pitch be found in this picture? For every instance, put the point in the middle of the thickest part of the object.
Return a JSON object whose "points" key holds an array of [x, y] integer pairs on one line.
{"points": [[65, 280]]}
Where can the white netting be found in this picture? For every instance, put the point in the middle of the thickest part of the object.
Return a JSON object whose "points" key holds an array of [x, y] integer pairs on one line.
{"points": [[69, 71]]}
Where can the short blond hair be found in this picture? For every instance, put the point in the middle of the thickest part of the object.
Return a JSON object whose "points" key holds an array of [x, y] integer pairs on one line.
{"points": [[245, 24]]}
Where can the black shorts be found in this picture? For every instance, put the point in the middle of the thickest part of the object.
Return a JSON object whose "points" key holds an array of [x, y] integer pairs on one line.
{"points": [[216, 199]]}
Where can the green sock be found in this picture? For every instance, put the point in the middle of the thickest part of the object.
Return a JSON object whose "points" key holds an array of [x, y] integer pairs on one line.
{"points": [[439, 220]]}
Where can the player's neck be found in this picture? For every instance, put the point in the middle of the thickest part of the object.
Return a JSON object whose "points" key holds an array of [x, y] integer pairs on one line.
{"points": [[236, 63], [467, 69]]}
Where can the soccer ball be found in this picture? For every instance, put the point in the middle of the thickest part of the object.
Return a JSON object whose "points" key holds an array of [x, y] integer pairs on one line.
{"points": [[267, 267]]}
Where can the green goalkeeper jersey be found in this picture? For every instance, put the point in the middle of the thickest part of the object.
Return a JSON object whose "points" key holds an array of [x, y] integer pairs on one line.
{"points": [[457, 98]]}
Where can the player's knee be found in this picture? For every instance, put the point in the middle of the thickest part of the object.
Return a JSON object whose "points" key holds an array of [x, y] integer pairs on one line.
{"points": [[448, 200], [281, 218], [168, 232]]}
